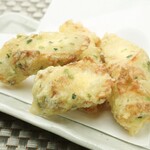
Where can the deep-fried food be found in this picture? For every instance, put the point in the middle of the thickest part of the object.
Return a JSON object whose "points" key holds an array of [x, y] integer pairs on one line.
{"points": [[130, 66], [77, 85], [82, 72], [93, 50], [69, 27], [25, 55]]}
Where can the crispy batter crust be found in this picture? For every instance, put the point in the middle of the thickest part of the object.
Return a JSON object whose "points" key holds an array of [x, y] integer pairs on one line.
{"points": [[77, 85], [130, 66], [25, 55], [69, 26]]}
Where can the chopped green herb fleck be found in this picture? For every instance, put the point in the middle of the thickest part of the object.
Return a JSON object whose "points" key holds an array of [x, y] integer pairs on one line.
{"points": [[72, 44], [74, 96], [0, 62], [148, 98], [139, 117], [20, 66], [95, 56], [19, 36], [148, 65], [55, 49], [29, 41], [135, 77], [129, 56], [41, 67], [66, 71], [76, 37], [89, 95], [8, 55], [50, 42], [11, 82], [42, 102]]}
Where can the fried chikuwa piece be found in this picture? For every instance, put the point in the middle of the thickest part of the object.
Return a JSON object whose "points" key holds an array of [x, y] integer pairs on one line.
{"points": [[77, 85], [25, 55], [130, 66], [70, 27]]}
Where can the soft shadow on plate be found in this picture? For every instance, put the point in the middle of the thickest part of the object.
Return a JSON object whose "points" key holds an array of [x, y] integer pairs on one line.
{"points": [[26, 84]]}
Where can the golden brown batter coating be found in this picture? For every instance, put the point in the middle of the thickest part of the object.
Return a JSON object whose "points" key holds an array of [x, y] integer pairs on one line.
{"points": [[76, 85], [130, 66], [25, 55], [70, 27]]}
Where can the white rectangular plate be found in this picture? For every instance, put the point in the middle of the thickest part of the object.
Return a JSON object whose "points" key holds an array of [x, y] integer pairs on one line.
{"points": [[124, 23], [73, 131]]}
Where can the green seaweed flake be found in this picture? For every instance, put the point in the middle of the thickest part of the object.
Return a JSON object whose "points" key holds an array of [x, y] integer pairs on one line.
{"points": [[129, 56], [74, 96], [67, 72], [55, 49], [148, 65], [29, 41]]}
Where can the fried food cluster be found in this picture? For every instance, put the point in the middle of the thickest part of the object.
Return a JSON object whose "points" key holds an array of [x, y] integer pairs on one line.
{"points": [[77, 70], [129, 65], [70, 27], [26, 55], [77, 85]]}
